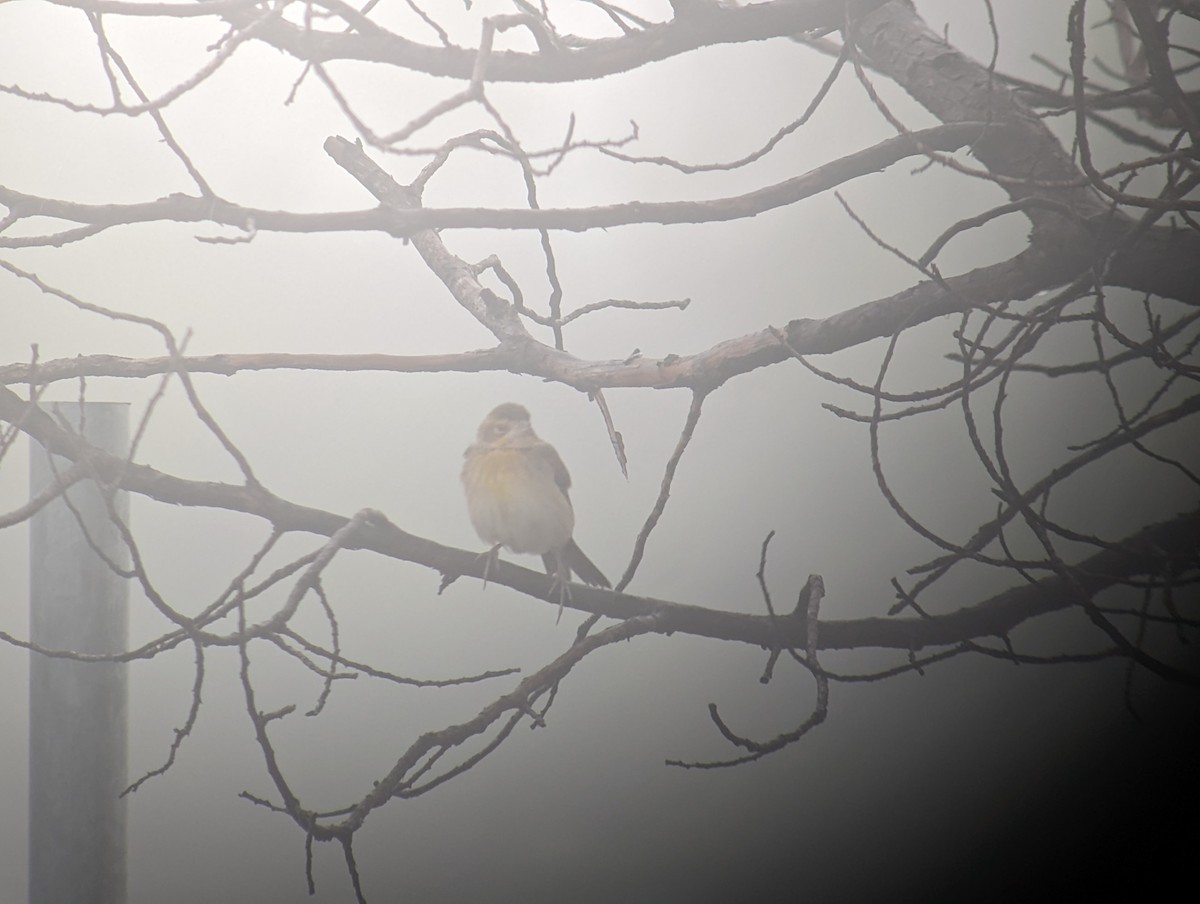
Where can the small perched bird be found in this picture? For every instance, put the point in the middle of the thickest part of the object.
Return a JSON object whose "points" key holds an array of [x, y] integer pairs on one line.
{"points": [[517, 495]]}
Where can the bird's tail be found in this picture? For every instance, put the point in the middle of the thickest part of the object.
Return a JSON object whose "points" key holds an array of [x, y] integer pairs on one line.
{"points": [[574, 560]]}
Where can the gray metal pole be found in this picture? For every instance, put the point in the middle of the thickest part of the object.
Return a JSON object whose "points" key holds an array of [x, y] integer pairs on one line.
{"points": [[78, 710]]}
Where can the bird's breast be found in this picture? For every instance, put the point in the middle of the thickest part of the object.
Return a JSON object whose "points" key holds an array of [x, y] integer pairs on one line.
{"points": [[513, 500]]}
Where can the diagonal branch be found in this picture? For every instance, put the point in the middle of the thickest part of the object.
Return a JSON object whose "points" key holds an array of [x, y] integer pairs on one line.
{"points": [[1171, 543]]}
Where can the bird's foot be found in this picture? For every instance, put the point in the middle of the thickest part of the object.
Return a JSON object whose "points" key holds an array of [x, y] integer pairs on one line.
{"points": [[489, 556], [563, 586]]}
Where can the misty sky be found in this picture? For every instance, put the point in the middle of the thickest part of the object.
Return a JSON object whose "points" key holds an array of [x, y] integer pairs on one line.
{"points": [[922, 787]]}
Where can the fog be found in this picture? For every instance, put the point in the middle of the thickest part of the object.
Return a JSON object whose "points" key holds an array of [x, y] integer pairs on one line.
{"points": [[977, 777]]}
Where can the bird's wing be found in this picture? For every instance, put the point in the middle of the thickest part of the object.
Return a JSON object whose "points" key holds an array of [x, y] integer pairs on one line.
{"points": [[548, 457]]}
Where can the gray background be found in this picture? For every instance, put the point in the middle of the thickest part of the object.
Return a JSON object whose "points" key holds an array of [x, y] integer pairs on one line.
{"points": [[979, 778]]}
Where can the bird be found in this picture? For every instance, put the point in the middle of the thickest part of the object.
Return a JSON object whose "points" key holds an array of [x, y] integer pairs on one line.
{"points": [[518, 497]]}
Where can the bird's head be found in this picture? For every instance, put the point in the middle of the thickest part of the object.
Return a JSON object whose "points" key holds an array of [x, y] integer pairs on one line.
{"points": [[505, 422]]}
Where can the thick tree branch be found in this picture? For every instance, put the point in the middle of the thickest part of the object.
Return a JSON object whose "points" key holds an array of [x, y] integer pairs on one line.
{"points": [[1169, 546], [1020, 277], [575, 59], [401, 220], [1165, 262]]}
